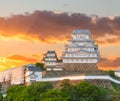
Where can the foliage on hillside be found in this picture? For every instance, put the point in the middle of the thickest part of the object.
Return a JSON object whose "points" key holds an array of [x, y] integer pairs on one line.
{"points": [[27, 93], [40, 65], [116, 86], [112, 74], [1, 97], [44, 91], [0, 93], [116, 94]]}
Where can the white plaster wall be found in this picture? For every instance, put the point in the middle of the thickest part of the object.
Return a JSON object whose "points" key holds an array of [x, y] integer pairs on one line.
{"points": [[18, 75], [79, 48], [83, 77], [117, 74], [38, 78], [57, 69], [49, 69], [80, 55], [50, 63], [51, 59], [15, 75], [80, 61], [51, 54], [27, 73], [78, 36]]}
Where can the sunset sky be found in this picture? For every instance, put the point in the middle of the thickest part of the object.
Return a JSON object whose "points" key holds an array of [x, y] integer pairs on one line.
{"points": [[29, 28]]}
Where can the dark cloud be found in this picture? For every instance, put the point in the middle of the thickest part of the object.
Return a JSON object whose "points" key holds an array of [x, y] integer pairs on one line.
{"points": [[46, 25]]}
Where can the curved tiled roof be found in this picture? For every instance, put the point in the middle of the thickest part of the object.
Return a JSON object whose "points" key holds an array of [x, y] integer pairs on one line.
{"points": [[32, 68], [81, 31]]}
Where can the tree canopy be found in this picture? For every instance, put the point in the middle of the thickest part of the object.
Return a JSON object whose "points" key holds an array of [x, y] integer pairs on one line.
{"points": [[40, 65], [1, 97], [44, 91], [54, 95], [27, 93]]}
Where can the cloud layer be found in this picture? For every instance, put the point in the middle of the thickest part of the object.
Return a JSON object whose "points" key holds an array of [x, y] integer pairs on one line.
{"points": [[22, 58], [107, 63], [49, 26]]}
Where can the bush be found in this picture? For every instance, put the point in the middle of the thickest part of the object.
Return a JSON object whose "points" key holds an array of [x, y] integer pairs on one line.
{"points": [[40, 65], [111, 73]]}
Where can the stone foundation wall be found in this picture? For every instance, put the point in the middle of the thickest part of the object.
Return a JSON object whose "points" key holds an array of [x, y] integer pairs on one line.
{"points": [[82, 67]]}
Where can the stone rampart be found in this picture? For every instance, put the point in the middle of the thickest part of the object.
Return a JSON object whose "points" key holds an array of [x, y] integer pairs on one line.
{"points": [[83, 67]]}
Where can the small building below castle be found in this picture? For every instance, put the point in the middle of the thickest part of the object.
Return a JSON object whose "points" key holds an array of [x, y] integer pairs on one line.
{"points": [[26, 74], [32, 74]]}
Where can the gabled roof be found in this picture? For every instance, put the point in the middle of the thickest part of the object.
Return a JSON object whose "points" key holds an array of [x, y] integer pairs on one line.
{"points": [[81, 31], [33, 68], [51, 51]]}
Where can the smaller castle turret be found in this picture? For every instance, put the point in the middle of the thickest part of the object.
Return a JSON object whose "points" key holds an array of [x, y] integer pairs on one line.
{"points": [[50, 59]]}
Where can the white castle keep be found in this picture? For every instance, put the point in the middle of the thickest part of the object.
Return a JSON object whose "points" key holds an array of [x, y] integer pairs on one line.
{"points": [[82, 53]]}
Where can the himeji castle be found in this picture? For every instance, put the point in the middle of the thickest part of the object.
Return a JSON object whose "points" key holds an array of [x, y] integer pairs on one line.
{"points": [[82, 53]]}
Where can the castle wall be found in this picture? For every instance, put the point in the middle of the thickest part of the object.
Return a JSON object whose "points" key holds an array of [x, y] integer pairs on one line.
{"points": [[83, 67]]}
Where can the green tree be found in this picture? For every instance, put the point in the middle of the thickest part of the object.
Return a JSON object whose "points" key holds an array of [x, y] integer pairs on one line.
{"points": [[111, 73], [65, 84], [37, 88], [54, 95], [40, 65], [68, 88], [86, 91], [1, 97], [14, 92], [0, 86], [28, 93], [43, 91]]}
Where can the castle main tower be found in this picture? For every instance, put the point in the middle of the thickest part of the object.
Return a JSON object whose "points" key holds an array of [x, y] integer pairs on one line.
{"points": [[82, 53]]}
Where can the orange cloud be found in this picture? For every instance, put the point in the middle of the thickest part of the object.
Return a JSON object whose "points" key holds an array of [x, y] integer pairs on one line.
{"points": [[21, 58], [16, 60], [50, 27], [107, 64]]}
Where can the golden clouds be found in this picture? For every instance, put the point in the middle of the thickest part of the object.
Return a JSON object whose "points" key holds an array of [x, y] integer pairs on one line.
{"points": [[50, 27], [17, 60], [47, 26], [21, 58]]}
